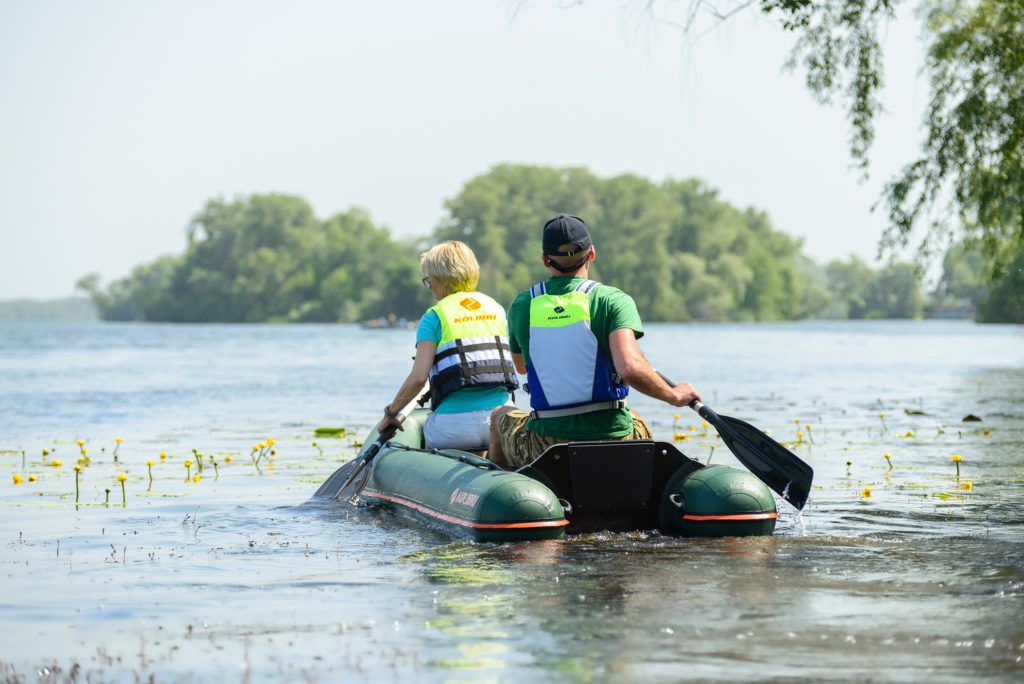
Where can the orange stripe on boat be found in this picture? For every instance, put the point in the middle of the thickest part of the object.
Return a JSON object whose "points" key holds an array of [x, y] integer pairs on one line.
{"points": [[732, 516], [462, 521]]}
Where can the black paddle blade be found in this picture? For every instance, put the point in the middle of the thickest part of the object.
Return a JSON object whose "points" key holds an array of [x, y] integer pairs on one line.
{"points": [[333, 484], [772, 463]]}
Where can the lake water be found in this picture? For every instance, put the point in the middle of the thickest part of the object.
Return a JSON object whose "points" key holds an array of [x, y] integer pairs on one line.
{"points": [[921, 578]]}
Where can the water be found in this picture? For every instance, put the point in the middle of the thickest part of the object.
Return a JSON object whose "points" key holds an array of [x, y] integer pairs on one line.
{"points": [[230, 579]]}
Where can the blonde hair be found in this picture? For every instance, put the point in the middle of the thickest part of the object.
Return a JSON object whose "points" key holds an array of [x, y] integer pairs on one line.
{"points": [[453, 265]]}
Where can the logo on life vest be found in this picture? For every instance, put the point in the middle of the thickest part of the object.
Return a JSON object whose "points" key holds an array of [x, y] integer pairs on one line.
{"points": [[463, 498], [470, 303], [559, 309]]}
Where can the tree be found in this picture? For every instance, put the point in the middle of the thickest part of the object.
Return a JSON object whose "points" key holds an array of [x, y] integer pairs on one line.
{"points": [[969, 176], [268, 258], [679, 250]]}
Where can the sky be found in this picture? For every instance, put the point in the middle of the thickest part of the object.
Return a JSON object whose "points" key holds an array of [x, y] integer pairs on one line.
{"points": [[119, 119]]}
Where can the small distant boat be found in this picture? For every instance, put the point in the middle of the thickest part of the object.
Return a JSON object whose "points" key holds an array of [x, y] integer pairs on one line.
{"points": [[389, 322], [575, 487]]}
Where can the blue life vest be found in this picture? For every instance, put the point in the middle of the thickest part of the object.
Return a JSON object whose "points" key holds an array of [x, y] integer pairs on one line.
{"points": [[568, 374]]}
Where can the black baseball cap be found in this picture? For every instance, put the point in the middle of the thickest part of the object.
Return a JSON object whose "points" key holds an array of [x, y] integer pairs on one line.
{"points": [[566, 229]]}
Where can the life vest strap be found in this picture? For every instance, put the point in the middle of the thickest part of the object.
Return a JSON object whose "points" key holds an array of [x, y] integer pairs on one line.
{"points": [[577, 410]]}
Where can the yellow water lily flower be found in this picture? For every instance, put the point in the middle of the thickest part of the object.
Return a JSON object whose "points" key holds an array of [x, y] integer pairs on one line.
{"points": [[150, 463], [31, 478], [17, 479], [967, 486], [957, 458], [56, 463], [196, 478], [121, 477], [227, 459], [188, 463], [270, 441], [118, 440], [866, 492]]}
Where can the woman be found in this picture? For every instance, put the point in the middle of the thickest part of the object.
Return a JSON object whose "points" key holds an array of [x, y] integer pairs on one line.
{"points": [[462, 348]]}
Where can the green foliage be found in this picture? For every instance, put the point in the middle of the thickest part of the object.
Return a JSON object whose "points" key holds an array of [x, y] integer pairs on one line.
{"points": [[676, 247], [860, 292], [969, 176], [681, 252], [964, 282], [974, 150], [267, 258]]}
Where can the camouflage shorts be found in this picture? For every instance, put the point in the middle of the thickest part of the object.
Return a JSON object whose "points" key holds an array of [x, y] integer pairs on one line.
{"points": [[522, 446]]}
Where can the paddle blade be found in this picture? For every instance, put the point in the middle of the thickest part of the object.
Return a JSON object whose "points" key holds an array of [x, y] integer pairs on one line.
{"points": [[772, 463], [333, 484]]}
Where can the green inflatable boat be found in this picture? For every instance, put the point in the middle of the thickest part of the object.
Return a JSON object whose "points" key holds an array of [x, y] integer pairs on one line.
{"points": [[570, 488]]}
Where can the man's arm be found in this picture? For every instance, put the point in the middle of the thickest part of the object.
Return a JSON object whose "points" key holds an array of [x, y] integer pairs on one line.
{"points": [[517, 361], [636, 372]]}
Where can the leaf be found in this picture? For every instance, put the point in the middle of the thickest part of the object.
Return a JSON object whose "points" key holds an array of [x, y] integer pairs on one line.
{"points": [[971, 418], [912, 412], [329, 432]]}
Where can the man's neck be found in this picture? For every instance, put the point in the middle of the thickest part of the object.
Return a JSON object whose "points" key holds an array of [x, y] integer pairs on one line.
{"points": [[579, 273]]}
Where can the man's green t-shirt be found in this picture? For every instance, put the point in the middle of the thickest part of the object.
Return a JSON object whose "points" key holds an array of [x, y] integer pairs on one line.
{"points": [[610, 309]]}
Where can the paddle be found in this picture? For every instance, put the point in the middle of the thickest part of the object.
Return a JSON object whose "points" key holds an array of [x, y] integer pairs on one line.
{"points": [[352, 487], [772, 463]]}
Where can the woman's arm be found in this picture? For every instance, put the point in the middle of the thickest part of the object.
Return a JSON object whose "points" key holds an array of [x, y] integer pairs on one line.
{"points": [[425, 350]]}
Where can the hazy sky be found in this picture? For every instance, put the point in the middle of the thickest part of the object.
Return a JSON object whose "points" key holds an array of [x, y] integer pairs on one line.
{"points": [[120, 118]]}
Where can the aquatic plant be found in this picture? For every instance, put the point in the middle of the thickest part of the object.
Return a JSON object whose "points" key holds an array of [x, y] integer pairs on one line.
{"points": [[318, 448], [188, 469], [956, 460], [117, 446], [78, 472], [149, 467], [56, 463], [17, 479], [31, 478], [881, 417], [967, 487], [196, 478], [866, 492], [848, 464], [888, 459], [121, 477], [810, 435], [163, 455], [227, 459]]}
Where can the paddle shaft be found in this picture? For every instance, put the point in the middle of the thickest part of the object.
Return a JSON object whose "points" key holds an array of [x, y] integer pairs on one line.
{"points": [[772, 463], [371, 450]]}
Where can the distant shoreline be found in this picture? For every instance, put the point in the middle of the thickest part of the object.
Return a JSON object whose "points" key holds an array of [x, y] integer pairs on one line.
{"points": [[61, 309]]}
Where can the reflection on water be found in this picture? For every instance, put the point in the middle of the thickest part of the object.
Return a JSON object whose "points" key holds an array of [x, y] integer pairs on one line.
{"points": [[231, 579]]}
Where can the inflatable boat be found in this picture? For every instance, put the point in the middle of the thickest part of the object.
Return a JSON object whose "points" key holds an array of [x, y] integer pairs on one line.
{"points": [[570, 488]]}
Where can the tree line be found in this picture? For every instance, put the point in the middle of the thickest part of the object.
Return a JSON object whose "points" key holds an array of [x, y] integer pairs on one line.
{"points": [[680, 250]]}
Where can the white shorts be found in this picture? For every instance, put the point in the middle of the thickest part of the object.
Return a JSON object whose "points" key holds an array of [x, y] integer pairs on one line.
{"points": [[469, 431]]}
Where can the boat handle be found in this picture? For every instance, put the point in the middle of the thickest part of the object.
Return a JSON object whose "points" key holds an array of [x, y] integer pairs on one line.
{"points": [[566, 506], [677, 500]]}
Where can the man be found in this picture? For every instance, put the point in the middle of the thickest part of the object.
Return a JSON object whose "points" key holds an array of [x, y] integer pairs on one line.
{"points": [[576, 341]]}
